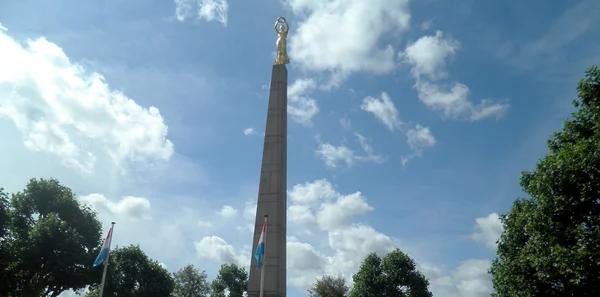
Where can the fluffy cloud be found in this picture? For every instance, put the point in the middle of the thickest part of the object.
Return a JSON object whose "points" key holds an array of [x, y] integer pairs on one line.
{"points": [[335, 156], [217, 249], [208, 10], [57, 106], [302, 108], [129, 207], [384, 110], [345, 36], [418, 138], [312, 192], [228, 212], [470, 279], [453, 101], [488, 230], [428, 57], [249, 131]]}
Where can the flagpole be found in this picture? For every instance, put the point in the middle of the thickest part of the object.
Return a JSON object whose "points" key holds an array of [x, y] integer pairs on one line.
{"points": [[262, 267], [106, 261]]}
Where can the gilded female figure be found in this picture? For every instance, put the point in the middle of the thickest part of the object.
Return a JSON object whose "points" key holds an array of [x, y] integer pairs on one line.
{"points": [[281, 45]]}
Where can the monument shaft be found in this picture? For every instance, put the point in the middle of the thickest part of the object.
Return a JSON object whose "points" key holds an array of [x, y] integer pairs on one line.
{"points": [[272, 198]]}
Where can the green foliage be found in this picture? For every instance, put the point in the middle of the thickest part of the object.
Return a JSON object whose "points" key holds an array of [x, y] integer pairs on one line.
{"points": [[49, 241], [4, 207], [550, 243], [230, 277], [131, 273], [329, 286], [5, 277], [394, 276], [190, 282]]}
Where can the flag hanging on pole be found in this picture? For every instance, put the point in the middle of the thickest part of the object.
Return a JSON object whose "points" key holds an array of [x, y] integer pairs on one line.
{"points": [[103, 255], [260, 248]]}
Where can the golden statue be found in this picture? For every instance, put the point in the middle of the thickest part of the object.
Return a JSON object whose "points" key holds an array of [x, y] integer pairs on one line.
{"points": [[282, 57]]}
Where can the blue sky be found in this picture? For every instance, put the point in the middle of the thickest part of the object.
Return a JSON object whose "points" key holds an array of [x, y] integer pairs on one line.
{"points": [[154, 115]]}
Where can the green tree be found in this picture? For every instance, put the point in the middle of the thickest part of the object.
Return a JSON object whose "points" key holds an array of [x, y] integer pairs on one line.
{"points": [[550, 242], [131, 273], [232, 278], [190, 282], [394, 276], [5, 278], [329, 286], [51, 241]]}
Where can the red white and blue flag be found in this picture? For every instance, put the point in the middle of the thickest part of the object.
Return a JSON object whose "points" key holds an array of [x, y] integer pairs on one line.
{"points": [[103, 255], [260, 248]]}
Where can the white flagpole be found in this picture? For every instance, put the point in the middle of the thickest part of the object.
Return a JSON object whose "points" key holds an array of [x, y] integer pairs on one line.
{"points": [[106, 261], [264, 262]]}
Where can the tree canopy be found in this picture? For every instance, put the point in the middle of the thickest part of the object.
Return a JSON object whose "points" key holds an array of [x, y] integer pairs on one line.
{"points": [[48, 240], [550, 242], [232, 278], [329, 286], [133, 274], [395, 275], [190, 282]]}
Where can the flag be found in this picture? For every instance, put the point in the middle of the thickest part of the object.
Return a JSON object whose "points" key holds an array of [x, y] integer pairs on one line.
{"points": [[103, 255], [260, 248]]}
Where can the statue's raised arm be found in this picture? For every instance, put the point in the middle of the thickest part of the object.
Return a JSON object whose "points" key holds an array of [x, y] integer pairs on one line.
{"points": [[281, 45], [284, 22]]}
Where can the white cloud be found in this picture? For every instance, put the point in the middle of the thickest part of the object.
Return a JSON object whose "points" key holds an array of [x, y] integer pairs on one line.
{"points": [[302, 108], [227, 212], [384, 110], [312, 192], [57, 106], [216, 249], [488, 230], [335, 215], [130, 207], [428, 57], [335, 156], [330, 209], [454, 103], [303, 215], [345, 36], [470, 279], [249, 131], [207, 10], [418, 138]]}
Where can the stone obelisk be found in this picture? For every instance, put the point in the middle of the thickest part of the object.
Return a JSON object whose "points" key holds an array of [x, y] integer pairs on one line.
{"points": [[272, 199]]}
